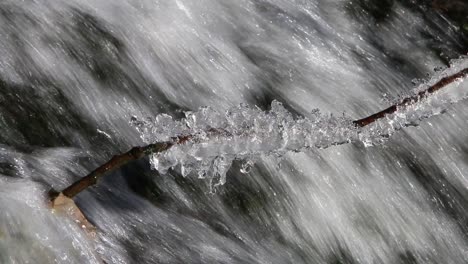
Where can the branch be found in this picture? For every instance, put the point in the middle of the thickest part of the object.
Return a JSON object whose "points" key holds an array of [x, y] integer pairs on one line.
{"points": [[122, 159], [412, 99], [116, 162], [139, 152]]}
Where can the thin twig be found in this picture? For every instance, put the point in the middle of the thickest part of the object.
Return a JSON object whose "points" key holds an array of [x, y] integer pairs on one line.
{"points": [[116, 162], [122, 159], [412, 99], [139, 152]]}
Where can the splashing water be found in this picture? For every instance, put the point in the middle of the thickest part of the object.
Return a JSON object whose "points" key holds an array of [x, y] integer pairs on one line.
{"points": [[244, 133]]}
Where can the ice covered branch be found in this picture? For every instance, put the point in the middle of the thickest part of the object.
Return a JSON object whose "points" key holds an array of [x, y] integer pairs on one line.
{"points": [[122, 159], [239, 129], [412, 99]]}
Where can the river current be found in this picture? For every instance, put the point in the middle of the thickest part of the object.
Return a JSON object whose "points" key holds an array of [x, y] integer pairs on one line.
{"points": [[74, 73]]}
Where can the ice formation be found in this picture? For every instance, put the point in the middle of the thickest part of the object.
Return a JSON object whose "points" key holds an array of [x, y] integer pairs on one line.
{"points": [[245, 132], [241, 133]]}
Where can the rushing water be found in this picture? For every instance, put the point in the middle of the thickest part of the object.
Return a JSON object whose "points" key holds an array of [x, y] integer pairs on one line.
{"points": [[74, 73]]}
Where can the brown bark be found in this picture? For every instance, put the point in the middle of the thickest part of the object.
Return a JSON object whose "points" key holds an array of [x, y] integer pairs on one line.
{"points": [[412, 99], [116, 162], [122, 159]]}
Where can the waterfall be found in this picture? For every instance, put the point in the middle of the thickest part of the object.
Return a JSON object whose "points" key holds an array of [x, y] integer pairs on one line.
{"points": [[286, 177]]}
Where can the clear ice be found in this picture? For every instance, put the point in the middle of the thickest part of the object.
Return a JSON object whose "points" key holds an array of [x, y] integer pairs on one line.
{"points": [[245, 132]]}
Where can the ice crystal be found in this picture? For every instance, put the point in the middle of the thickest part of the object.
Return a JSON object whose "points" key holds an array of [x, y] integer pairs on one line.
{"points": [[245, 132]]}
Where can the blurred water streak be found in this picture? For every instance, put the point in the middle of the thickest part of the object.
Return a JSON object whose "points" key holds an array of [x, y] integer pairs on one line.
{"points": [[72, 73]]}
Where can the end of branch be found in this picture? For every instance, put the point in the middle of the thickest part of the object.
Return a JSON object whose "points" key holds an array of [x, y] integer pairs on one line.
{"points": [[65, 206]]}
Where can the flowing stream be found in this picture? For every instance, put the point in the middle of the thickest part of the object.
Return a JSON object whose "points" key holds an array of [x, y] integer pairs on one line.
{"points": [[74, 74]]}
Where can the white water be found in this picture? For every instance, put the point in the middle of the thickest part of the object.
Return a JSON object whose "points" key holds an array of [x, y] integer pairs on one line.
{"points": [[74, 73]]}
